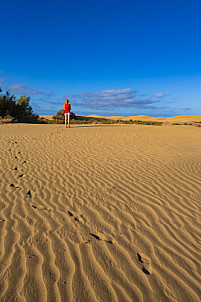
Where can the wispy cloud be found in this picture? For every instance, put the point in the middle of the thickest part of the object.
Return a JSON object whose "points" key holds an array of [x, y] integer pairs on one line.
{"points": [[23, 89], [110, 99], [2, 80], [186, 108], [1, 71], [159, 95]]}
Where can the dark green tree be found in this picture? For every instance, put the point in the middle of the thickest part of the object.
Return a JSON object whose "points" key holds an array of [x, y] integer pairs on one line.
{"points": [[24, 112], [19, 109], [7, 104]]}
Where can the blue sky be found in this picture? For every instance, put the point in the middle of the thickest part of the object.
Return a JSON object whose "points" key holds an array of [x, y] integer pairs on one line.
{"points": [[108, 57]]}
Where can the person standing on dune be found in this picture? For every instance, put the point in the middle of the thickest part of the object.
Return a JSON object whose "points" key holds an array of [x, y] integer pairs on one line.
{"points": [[67, 109]]}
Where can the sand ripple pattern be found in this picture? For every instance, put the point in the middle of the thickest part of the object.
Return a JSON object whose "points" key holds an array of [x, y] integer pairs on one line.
{"points": [[100, 213]]}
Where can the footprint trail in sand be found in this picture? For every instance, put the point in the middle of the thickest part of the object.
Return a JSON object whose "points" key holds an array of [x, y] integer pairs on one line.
{"points": [[108, 213]]}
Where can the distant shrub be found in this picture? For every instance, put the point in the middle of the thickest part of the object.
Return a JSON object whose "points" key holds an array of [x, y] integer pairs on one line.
{"points": [[108, 122], [59, 117], [138, 122], [176, 123]]}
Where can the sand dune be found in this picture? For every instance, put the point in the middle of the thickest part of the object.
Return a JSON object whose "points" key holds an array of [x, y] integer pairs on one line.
{"points": [[182, 118], [100, 213]]}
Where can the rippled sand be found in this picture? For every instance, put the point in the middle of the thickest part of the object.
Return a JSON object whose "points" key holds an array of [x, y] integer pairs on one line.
{"points": [[100, 213]]}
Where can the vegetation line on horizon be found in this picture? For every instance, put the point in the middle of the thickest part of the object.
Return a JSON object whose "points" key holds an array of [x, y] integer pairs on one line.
{"points": [[19, 110]]}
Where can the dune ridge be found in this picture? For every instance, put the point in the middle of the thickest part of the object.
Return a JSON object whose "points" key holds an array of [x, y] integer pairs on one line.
{"points": [[180, 118], [100, 213]]}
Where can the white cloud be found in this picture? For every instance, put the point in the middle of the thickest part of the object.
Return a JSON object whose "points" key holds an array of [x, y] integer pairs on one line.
{"points": [[23, 89], [110, 99]]}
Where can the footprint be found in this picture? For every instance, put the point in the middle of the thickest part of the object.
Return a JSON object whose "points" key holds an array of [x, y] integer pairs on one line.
{"points": [[13, 186], [76, 216], [147, 268], [95, 236], [101, 237], [42, 208], [32, 256], [15, 168], [29, 193], [111, 189], [24, 162], [20, 175], [71, 214]]}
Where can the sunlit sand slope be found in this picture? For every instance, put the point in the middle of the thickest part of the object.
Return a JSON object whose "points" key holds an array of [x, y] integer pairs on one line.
{"points": [[100, 213], [181, 118]]}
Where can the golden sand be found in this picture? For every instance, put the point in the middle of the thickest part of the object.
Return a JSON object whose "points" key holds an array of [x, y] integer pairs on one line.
{"points": [[181, 118], [48, 117], [100, 213]]}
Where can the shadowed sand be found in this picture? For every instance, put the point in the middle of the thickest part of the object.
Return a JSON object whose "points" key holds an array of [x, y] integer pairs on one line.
{"points": [[100, 213]]}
